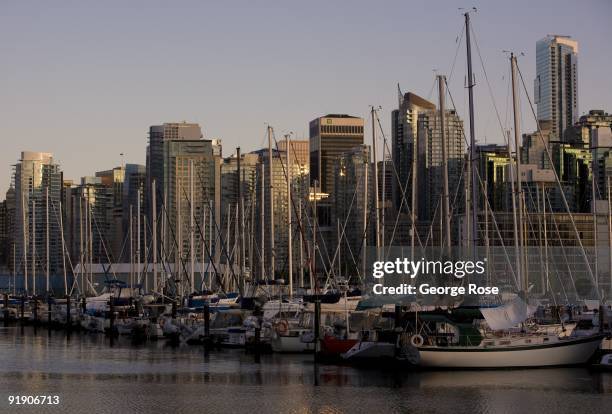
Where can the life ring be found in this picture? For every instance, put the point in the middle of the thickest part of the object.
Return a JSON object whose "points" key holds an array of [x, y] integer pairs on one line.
{"points": [[416, 340], [282, 327]]}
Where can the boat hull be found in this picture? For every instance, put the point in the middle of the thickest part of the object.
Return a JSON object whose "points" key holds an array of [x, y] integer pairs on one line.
{"points": [[291, 344], [567, 352]]}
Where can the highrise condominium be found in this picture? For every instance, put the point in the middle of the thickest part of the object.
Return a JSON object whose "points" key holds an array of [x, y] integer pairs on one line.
{"points": [[331, 136], [354, 192], [417, 142], [273, 205], [556, 82], [38, 189], [405, 123], [191, 189], [158, 134], [186, 170]]}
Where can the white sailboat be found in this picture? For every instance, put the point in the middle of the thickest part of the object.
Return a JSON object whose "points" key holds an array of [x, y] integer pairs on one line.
{"points": [[502, 341], [504, 345]]}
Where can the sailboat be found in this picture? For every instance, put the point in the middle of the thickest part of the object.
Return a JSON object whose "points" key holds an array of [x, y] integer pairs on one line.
{"points": [[502, 340]]}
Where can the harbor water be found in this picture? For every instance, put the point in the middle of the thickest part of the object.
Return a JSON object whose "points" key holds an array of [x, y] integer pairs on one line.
{"points": [[91, 375]]}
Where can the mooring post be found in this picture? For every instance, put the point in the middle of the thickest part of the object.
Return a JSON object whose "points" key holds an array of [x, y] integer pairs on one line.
{"points": [[35, 310], [6, 310], [49, 312], [397, 316], [317, 327], [68, 321], [112, 316], [207, 321], [22, 308]]}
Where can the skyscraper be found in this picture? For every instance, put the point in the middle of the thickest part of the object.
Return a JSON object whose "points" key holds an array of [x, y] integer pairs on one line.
{"points": [[418, 121], [556, 82], [274, 193], [4, 245], [405, 122], [331, 136], [191, 184], [38, 188], [158, 134], [353, 197]]}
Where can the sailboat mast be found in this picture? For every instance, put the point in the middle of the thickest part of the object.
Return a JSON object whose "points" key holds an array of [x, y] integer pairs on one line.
{"points": [[262, 225], [25, 242], [191, 231], [413, 202], [154, 231], [365, 216], [519, 237], [138, 234], [47, 235], [375, 178], [131, 248], [301, 266], [81, 245], [547, 278], [145, 246], [473, 155], [610, 231], [179, 239], [384, 195], [592, 145], [33, 245], [445, 198], [240, 216], [289, 211], [271, 193]]}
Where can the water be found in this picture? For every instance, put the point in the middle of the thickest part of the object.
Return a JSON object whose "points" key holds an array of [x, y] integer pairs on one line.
{"points": [[90, 376]]}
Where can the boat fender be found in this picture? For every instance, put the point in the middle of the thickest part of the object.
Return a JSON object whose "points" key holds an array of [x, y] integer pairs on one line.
{"points": [[282, 326], [416, 340]]}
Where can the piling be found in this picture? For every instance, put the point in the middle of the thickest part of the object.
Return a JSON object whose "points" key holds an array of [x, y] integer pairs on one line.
{"points": [[257, 338], [6, 309], [22, 309], [207, 321], [397, 319], [49, 311], [68, 321], [35, 311], [111, 330], [317, 327]]}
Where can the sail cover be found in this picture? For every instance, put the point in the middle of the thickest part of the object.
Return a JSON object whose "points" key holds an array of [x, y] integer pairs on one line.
{"points": [[507, 315]]}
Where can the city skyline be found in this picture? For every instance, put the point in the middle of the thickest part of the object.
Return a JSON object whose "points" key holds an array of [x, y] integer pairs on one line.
{"points": [[116, 79]]}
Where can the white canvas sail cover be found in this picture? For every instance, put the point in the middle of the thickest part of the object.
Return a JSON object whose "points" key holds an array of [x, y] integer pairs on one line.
{"points": [[507, 315]]}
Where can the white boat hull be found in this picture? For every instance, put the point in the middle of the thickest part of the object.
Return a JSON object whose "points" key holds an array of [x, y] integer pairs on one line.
{"points": [[291, 344], [565, 352]]}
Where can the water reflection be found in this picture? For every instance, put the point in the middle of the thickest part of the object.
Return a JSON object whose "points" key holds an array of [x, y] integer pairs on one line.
{"points": [[87, 372]]}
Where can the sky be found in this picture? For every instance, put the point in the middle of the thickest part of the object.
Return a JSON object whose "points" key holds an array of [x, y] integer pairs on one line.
{"points": [[85, 79]]}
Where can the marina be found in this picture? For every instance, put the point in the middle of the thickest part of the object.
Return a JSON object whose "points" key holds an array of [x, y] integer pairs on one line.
{"points": [[356, 266]]}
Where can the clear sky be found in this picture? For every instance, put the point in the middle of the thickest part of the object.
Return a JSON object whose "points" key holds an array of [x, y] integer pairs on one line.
{"points": [[85, 79]]}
